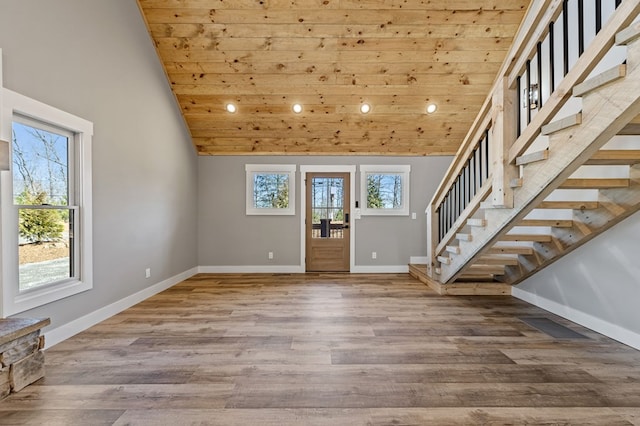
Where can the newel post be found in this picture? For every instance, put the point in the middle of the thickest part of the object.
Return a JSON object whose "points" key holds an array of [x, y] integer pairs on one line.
{"points": [[503, 134], [432, 239]]}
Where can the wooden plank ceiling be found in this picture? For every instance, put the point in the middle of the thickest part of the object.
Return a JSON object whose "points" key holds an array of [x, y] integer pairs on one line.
{"points": [[331, 56]]}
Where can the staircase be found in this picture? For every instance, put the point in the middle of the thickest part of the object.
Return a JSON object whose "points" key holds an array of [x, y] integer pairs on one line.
{"points": [[562, 196]]}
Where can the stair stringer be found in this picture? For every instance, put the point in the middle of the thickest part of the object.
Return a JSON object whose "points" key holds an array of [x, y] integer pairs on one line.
{"points": [[606, 111]]}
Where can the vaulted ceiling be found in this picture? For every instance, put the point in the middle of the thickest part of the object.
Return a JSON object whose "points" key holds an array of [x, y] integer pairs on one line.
{"points": [[331, 56]]}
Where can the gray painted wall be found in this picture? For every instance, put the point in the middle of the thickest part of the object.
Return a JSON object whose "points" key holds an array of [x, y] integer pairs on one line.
{"points": [[600, 279], [94, 59], [228, 237]]}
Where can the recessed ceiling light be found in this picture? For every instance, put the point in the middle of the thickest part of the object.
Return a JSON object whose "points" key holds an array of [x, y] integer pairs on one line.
{"points": [[231, 108], [365, 108], [431, 108], [297, 108]]}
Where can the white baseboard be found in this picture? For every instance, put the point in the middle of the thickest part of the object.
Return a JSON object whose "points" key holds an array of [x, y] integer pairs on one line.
{"points": [[69, 329], [419, 260], [601, 326], [382, 269], [249, 269], [297, 269]]}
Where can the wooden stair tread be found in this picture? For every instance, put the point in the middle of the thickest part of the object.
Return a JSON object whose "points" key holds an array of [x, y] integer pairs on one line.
{"points": [[564, 123], [453, 249], [479, 267], [498, 260], [615, 157], [477, 222], [418, 267], [629, 34], [532, 158], [464, 237], [599, 80], [473, 286], [602, 183], [571, 205], [554, 223], [510, 250], [541, 238], [476, 277]]}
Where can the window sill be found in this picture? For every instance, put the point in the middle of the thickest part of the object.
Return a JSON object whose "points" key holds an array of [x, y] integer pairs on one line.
{"points": [[33, 299]]}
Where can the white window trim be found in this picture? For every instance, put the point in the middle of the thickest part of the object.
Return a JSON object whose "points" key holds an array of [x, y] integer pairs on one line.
{"points": [[13, 301], [403, 170], [289, 169]]}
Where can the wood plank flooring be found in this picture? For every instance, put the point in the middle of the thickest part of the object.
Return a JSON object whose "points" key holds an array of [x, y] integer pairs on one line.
{"points": [[328, 349]]}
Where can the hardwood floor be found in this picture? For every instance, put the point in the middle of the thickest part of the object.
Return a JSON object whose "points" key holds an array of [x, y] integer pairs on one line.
{"points": [[323, 349]]}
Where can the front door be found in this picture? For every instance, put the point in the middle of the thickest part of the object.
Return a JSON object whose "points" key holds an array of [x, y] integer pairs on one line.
{"points": [[327, 222]]}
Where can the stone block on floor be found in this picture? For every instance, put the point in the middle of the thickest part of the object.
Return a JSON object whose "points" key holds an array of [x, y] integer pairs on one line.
{"points": [[26, 371]]}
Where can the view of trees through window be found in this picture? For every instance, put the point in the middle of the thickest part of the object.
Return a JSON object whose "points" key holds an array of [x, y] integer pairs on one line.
{"points": [[327, 198], [327, 207], [271, 190], [41, 190], [384, 190]]}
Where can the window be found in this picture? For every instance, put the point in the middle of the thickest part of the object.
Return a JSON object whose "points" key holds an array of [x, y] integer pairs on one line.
{"points": [[384, 190], [45, 199], [270, 189], [46, 204]]}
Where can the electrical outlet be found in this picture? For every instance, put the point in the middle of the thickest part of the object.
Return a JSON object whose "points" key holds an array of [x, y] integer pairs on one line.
{"points": [[413, 215], [147, 273], [374, 255], [270, 255]]}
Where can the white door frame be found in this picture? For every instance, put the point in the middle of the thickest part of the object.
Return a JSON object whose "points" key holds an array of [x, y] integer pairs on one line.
{"points": [[304, 169]]}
